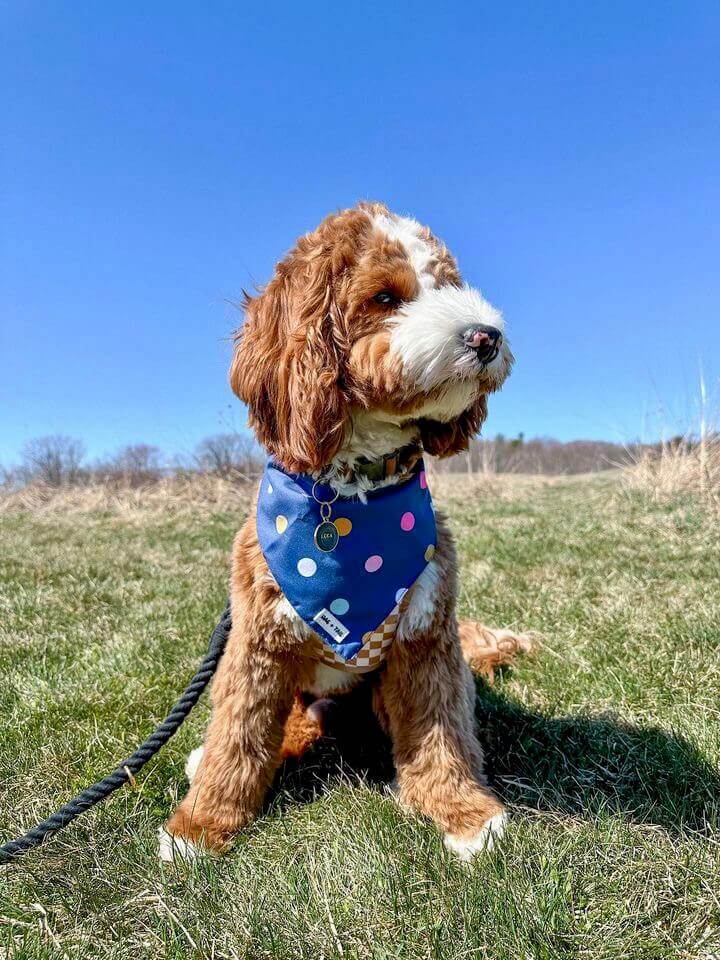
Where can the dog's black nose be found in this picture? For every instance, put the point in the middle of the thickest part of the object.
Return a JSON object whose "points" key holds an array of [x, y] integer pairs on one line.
{"points": [[484, 340]]}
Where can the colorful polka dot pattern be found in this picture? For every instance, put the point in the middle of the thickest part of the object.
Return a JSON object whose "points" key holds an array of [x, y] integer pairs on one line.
{"points": [[347, 594]]}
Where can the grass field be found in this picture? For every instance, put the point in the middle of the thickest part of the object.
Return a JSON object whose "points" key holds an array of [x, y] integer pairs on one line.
{"points": [[605, 743]]}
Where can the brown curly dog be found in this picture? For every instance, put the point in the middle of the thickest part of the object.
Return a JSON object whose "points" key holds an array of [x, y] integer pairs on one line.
{"points": [[363, 350]]}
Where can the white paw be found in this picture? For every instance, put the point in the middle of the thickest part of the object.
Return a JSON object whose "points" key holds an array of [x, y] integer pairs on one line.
{"points": [[173, 848], [483, 842], [193, 762]]}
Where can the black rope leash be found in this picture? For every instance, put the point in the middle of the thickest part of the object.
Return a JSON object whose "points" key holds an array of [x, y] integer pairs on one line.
{"points": [[126, 771]]}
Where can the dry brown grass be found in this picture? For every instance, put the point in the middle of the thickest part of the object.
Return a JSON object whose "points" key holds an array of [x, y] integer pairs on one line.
{"points": [[508, 485], [198, 494], [677, 471]]}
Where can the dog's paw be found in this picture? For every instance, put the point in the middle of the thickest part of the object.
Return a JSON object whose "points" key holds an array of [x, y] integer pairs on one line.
{"points": [[193, 762], [483, 842], [172, 848]]}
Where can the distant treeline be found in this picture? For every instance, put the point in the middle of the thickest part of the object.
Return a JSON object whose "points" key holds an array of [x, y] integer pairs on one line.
{"points": [[544, 455], [58, 461], [541, 455]]}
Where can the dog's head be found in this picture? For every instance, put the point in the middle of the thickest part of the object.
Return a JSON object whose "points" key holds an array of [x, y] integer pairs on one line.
{"points": [[368, 316]]}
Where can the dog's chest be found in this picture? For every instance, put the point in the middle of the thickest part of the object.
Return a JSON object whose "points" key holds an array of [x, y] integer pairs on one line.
{"points": [[328, 681]]}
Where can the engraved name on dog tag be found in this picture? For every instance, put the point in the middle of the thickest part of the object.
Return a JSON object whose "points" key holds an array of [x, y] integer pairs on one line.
{"points": [[326, 536]]}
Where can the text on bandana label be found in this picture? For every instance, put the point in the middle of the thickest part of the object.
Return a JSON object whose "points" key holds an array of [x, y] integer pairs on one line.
{"points": [[332, 625]]}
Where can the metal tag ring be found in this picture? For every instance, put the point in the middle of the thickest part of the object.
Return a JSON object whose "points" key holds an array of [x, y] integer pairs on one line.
{"points": [[315, 498]]}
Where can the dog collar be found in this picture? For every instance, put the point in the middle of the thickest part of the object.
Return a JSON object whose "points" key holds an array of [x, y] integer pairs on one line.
{"points": [[343, 564], [402, 460]]}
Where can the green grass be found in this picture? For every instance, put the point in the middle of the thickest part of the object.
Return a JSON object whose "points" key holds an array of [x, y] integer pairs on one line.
{"points": [[605, 744]]}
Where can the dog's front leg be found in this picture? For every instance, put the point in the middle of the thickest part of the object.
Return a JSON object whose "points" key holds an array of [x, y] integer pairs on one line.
{"points": [[252, 695], [429, 712]]}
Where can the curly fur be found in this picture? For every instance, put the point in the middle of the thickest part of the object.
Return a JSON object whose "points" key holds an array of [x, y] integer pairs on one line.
{"points": [[330, 372]]}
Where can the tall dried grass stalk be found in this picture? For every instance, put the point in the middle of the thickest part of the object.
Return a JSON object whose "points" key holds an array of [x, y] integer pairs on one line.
{"points": [[687, 466], [680, 469]]}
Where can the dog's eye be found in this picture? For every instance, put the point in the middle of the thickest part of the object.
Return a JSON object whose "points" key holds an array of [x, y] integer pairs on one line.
{"points": [[385, 297]]}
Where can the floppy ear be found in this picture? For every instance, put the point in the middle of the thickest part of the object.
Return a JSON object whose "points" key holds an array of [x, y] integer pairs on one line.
{"points": [[445, 439], [287, 369]]}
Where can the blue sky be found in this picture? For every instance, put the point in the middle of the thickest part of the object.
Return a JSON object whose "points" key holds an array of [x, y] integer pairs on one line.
{"points": [[159, 157]]}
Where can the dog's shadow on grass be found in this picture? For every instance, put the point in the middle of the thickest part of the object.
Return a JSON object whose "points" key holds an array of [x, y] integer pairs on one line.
{"points": [[571, 765], [582, 765]]}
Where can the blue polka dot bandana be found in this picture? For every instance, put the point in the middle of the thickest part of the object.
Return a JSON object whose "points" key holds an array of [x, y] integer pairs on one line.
{"points": [[344, 565]]}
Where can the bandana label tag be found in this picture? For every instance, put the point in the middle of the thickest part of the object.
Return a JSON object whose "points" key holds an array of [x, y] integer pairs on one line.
{"points": [[332, 625]]}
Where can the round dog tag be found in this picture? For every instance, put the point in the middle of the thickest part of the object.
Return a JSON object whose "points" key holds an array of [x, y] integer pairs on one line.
{"points": [[326, 536]]}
